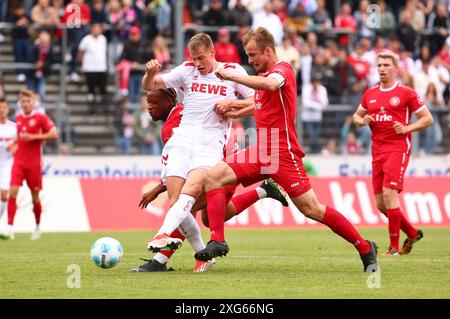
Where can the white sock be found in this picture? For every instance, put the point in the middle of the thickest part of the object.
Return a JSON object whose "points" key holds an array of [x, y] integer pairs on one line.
{"points": [[261, 192], [37, 229], [162, 259], [10, 229], [177, 214], [190, 229], [2, 208]]}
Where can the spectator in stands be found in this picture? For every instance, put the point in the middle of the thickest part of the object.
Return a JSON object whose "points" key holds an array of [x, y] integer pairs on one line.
{"points": [[243, 29], [387, 21], [215, 16], [306, 60], [123, 122], [320, 18], [343, 81], [2, 88], [294, 39], [226, 51], [350, 144], [361, 19], [98, 12], [44, 14], [406, 33], [267, 19], [239, 15], [415, 7], [313, 43], [42, 56], [20, 39], [163, 13], [440, 76], [298, 18], [345, 22], [147, 133], [279, 8], [76, 32], [330, 148], [161, 52], [314, 101], [310, 5], [444, 53], [92, 53], [360, 65], [286, 52], [128, 68], [433, 135], [59, 8], [439, 24]]}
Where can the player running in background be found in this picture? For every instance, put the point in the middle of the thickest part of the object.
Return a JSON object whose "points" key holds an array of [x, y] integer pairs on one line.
{"points": [[197, 144], [279, 157], [32, 129], [8, 133], [162, 106], [387, 109]]}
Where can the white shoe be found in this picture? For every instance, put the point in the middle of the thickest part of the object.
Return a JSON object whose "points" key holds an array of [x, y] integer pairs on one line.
{"points": [[21, 77], [36, 234], [202, 266], [163, 241], [8, 235], [75, 77]]}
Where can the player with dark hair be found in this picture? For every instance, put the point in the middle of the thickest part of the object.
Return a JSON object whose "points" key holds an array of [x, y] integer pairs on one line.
{"points": [[279, 154], [162, 105], [387, 108], [33, 128]]}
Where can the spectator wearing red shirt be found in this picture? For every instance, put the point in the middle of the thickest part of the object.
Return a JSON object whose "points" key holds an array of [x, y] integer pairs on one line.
{"points": [[346, 22], [225, 50]]}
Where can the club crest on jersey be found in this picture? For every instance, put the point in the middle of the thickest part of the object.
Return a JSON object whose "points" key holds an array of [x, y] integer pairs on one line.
{"points": [[394, 101], [32, 122], [382, 109]]}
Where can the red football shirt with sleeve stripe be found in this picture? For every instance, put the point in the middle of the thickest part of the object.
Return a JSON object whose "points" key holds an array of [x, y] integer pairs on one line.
{"points": [[277, 110], [387, 106], [173, 121], [35, 123]]}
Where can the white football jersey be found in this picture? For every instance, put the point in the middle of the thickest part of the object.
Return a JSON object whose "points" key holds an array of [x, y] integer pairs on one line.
{"points": [[8, 132], [202, 92]]}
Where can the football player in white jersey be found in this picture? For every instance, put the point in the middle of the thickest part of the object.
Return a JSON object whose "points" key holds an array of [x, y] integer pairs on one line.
{"points": [[8, 133], [198, 142]]}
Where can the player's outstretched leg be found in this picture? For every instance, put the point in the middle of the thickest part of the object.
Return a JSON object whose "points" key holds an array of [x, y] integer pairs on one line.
{"points": [[213, 249], [151, 266]]}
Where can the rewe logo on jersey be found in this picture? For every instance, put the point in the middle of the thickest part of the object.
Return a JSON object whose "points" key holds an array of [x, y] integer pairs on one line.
{"points": [[209, 88]]}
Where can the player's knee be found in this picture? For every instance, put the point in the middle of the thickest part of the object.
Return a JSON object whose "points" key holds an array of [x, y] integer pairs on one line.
{"points": [[214, 178], [381, 208]]}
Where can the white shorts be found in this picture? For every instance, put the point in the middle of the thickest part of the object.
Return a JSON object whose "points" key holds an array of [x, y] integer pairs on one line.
{"points": [[5, 175], [185, 152]]}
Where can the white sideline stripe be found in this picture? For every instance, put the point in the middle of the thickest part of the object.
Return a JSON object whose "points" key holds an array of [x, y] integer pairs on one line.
{"points": [[63, 208]]}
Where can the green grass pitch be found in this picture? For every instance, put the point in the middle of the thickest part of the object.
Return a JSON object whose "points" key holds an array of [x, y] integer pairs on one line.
{"points": [[276, 263]]}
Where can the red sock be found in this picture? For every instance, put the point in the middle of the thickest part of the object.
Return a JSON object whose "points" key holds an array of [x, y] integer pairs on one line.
{"points": [[341, 226], [216, 208], [12, 207], [408, 229], [37, 209], [395, 218], [175, 234], [244, 200]]}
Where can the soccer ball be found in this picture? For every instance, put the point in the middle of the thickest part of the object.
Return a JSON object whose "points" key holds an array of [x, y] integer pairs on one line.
{"points": [[106, 252]]}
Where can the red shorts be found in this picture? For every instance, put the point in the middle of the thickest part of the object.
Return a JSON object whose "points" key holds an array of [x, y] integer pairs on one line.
{"points": [[287, 170], [388, 170], [31, 174]]}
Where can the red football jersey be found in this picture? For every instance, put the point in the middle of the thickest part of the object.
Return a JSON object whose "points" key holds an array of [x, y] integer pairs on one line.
{"points": [[173, 121], [387, 106], [35, 123], [278, 110]]}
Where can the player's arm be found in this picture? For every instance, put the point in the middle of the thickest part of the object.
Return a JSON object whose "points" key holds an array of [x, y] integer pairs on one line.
{"points": [[235, 114], [255, 82], [51, 135], [234, 105], [424, 119], [12, 146], [151, 81], [361, 117], [150, 196]]}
